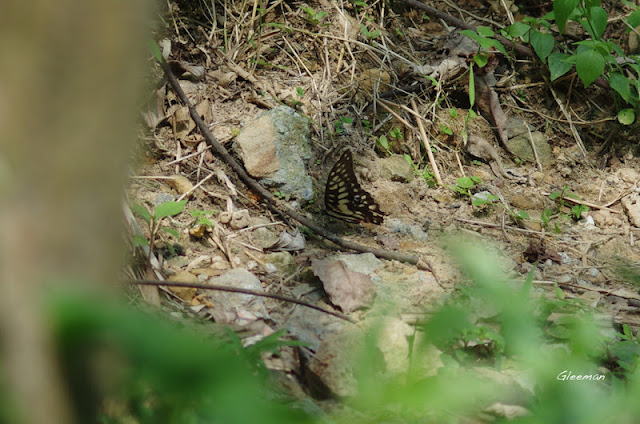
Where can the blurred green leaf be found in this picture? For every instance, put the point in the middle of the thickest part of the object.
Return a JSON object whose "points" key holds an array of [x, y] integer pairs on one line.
{"points": [[141, 211]]}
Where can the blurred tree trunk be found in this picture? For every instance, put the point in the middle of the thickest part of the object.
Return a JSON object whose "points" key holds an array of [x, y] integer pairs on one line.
{"points": [[69, 82]]}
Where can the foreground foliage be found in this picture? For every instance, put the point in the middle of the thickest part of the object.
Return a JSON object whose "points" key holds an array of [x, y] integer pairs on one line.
{"points": [[121, 363]]}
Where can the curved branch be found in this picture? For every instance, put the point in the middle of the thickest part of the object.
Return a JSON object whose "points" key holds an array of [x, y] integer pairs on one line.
{"points": [[238, 290]]}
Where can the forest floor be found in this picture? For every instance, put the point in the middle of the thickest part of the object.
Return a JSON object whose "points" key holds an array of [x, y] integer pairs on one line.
{"points": [[565, 211]]}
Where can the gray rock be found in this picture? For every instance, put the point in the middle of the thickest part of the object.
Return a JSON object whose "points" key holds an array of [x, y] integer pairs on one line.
{"points": [[397, 226], [275, 148], [396, 168], [520, 145]]}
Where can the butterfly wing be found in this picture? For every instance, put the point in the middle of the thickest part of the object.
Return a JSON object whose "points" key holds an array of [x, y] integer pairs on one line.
{"points": [[344, 198]]}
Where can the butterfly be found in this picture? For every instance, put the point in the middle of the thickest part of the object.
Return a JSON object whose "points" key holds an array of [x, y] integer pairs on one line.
{"points": [[345, 199]]}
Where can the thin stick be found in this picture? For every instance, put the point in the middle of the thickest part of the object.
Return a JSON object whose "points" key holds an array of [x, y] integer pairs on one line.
{"points": [[190, 155], [533, 147], [195, 186], [150, 177], [624, 193], [427, 145], [567, 116], [238, 290], [391, 111], [584, 202], [492, 225]]}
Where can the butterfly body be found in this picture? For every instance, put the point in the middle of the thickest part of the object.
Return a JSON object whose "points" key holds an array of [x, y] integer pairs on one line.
{"points": [[345, 199]]}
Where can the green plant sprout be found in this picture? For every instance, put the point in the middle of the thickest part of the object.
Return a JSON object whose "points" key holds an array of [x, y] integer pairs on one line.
{"points": [[446, 130], [545, 217], [559, 198], [463, 184], [339, 123], [396, 133], [517, 216], [313, 17], [202, 217], [425, 174], [369, 35], [154, 221], [383, 142], [578, 210]]}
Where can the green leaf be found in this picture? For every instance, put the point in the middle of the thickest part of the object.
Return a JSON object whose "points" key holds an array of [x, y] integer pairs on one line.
{"points": [[140, 241], [480, 59], [384, 142], [408, 159], [518, 29], [626, 116], [280, 26], [558, 66], [169, 209], [627, 332], [471, 34], [621, 84], [542, 44], [346, 119], [485, 31], [598, 19], [205, 221], [488, 43], [590, 65], [562, 9], [465, 182], [155, 50], [615, 48], [171, 231], [472, 87], [634, 20], [141, 211]]}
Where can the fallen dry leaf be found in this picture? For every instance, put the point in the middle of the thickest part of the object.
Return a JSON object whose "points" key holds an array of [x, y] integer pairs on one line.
{"points": [[347, 289], [184, 293], [288, 242], [155, 112], [181, 184], [150, 293]]}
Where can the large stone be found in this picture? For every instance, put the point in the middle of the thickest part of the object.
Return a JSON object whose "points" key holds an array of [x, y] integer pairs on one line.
{"points": [[396, 168], [275, 148]]}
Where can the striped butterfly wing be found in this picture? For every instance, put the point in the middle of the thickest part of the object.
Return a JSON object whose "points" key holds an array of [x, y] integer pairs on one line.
{"points": [[345, 199]]}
